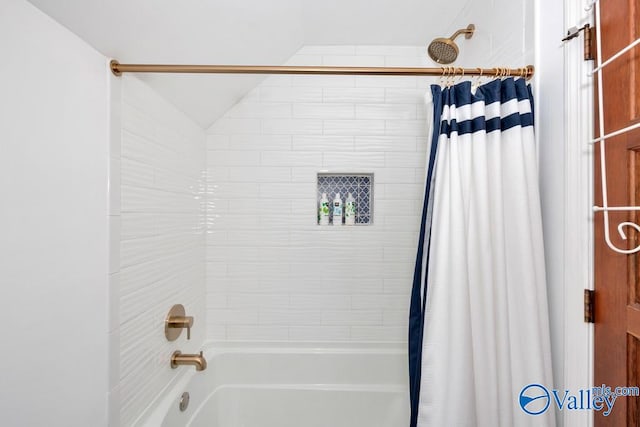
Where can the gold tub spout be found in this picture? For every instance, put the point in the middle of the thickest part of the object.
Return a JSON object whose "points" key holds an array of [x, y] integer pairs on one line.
{"points": [[197, 360]]}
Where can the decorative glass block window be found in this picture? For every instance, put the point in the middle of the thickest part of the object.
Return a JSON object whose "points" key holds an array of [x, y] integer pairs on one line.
{"points": [[359, 185]]}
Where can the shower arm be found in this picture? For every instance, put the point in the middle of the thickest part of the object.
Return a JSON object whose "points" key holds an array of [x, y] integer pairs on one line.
{"points": [[468, 32]]}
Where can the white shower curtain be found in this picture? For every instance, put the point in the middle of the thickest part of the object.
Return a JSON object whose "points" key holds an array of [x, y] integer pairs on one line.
{"points": [[484, 325]]}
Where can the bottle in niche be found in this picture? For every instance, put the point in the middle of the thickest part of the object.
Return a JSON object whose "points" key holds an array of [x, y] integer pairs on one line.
{"points": [[323, 210], [350, 210], [337, 210]]}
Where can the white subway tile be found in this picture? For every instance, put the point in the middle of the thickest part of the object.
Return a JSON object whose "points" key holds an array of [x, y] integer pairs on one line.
{"points": [[276, 191], [403, 191], [353, 60], [218, 173], [278, 80], [403, 223], [404, 160], [292, 126], [273, 274], [290, 94], [227, 125], [115, 182], [114, 302], [421, 60], [304, 60], [395, 206], [386, 111], [136, 147], [293, 158], [260, 174], [289, 316], [267, 237], [114, 248], [251, 206], [323, 143], [379, 333], [327, 50], [235, 190], [260, 142], [400, 269], [319, 333], [259, 110], [228, 316], [324, 111], [394, 175], [400, 286], [137, 122], [354, 127], [323, 81], [395, 318], [216, 300], [353, 95], [162, 241], [136, 173], [233, 158], [349, 161], [217, 332], [320, 302], [254, 300], [352, 317], [379, 301], [406, 127], [405, 95], [390, 50], [304, 174], [425, 82], [257, 333], [385, 143]]}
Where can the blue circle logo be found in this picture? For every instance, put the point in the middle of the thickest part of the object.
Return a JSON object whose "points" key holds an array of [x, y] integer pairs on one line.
{"points": [[534, 399]]}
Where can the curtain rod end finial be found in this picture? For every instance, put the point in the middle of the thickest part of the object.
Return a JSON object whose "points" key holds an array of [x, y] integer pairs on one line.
{"points": [[113, 65], [530, 71]]}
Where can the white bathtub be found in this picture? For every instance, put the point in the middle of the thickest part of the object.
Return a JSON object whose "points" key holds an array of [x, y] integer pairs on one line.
{"points": [[283, 386]]}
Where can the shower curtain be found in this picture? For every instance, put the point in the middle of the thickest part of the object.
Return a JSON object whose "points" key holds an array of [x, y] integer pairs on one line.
{"points": [[478, 327]]}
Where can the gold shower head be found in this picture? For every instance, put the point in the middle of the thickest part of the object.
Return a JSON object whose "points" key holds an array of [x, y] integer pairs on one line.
{"points": [[445, 51]]}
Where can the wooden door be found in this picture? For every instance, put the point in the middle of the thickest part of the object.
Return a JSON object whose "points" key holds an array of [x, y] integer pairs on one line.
{"points": [[617, 276]]}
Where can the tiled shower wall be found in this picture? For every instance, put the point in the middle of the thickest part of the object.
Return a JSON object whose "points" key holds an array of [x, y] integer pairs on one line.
{"points": [[272, 273], [162, 246]]}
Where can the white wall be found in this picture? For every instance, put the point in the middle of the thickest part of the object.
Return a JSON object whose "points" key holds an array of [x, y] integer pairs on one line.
{"points": [[550, 110], [505, 33], [272, 273], [162, 247], [54, 152]]}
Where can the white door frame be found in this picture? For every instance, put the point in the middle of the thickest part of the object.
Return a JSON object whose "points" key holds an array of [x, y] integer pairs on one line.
{"points": [[564, 95]]}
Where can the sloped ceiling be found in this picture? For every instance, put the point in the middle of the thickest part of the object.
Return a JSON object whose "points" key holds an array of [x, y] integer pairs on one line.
{"points": [[239, 32]]}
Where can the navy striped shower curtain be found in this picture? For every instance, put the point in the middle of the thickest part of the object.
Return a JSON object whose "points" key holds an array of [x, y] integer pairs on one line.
{"points": [[478, 326]]}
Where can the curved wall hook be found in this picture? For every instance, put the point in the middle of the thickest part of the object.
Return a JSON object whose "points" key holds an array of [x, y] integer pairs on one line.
{"points": [[623, 235]]}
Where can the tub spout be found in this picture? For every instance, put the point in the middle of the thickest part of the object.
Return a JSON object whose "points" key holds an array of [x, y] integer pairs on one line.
{"points": [[197, 360]]}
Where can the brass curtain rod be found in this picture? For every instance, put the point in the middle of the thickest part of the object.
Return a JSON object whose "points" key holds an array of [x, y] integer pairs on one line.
{"points": [[118, 68]]}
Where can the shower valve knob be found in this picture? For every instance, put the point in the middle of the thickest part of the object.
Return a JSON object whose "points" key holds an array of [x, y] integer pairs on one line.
{"points": [[176, 321]]}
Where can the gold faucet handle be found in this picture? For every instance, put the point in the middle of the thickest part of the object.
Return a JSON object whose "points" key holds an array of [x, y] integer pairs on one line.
{"points": [[176, 321], [182, 322]]}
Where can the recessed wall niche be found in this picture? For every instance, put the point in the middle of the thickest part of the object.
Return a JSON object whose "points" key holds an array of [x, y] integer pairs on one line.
{"points": [[360, 185]]}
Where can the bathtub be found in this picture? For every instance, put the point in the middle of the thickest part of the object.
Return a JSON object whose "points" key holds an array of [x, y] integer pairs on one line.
{"points": [[306, 385]]}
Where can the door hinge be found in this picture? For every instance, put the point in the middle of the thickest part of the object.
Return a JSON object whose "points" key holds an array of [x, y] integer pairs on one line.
{"points": [[589, 36], [589, 298]]}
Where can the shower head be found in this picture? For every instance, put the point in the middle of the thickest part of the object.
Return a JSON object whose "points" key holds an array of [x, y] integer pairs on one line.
{"points": [[445, 51]]}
